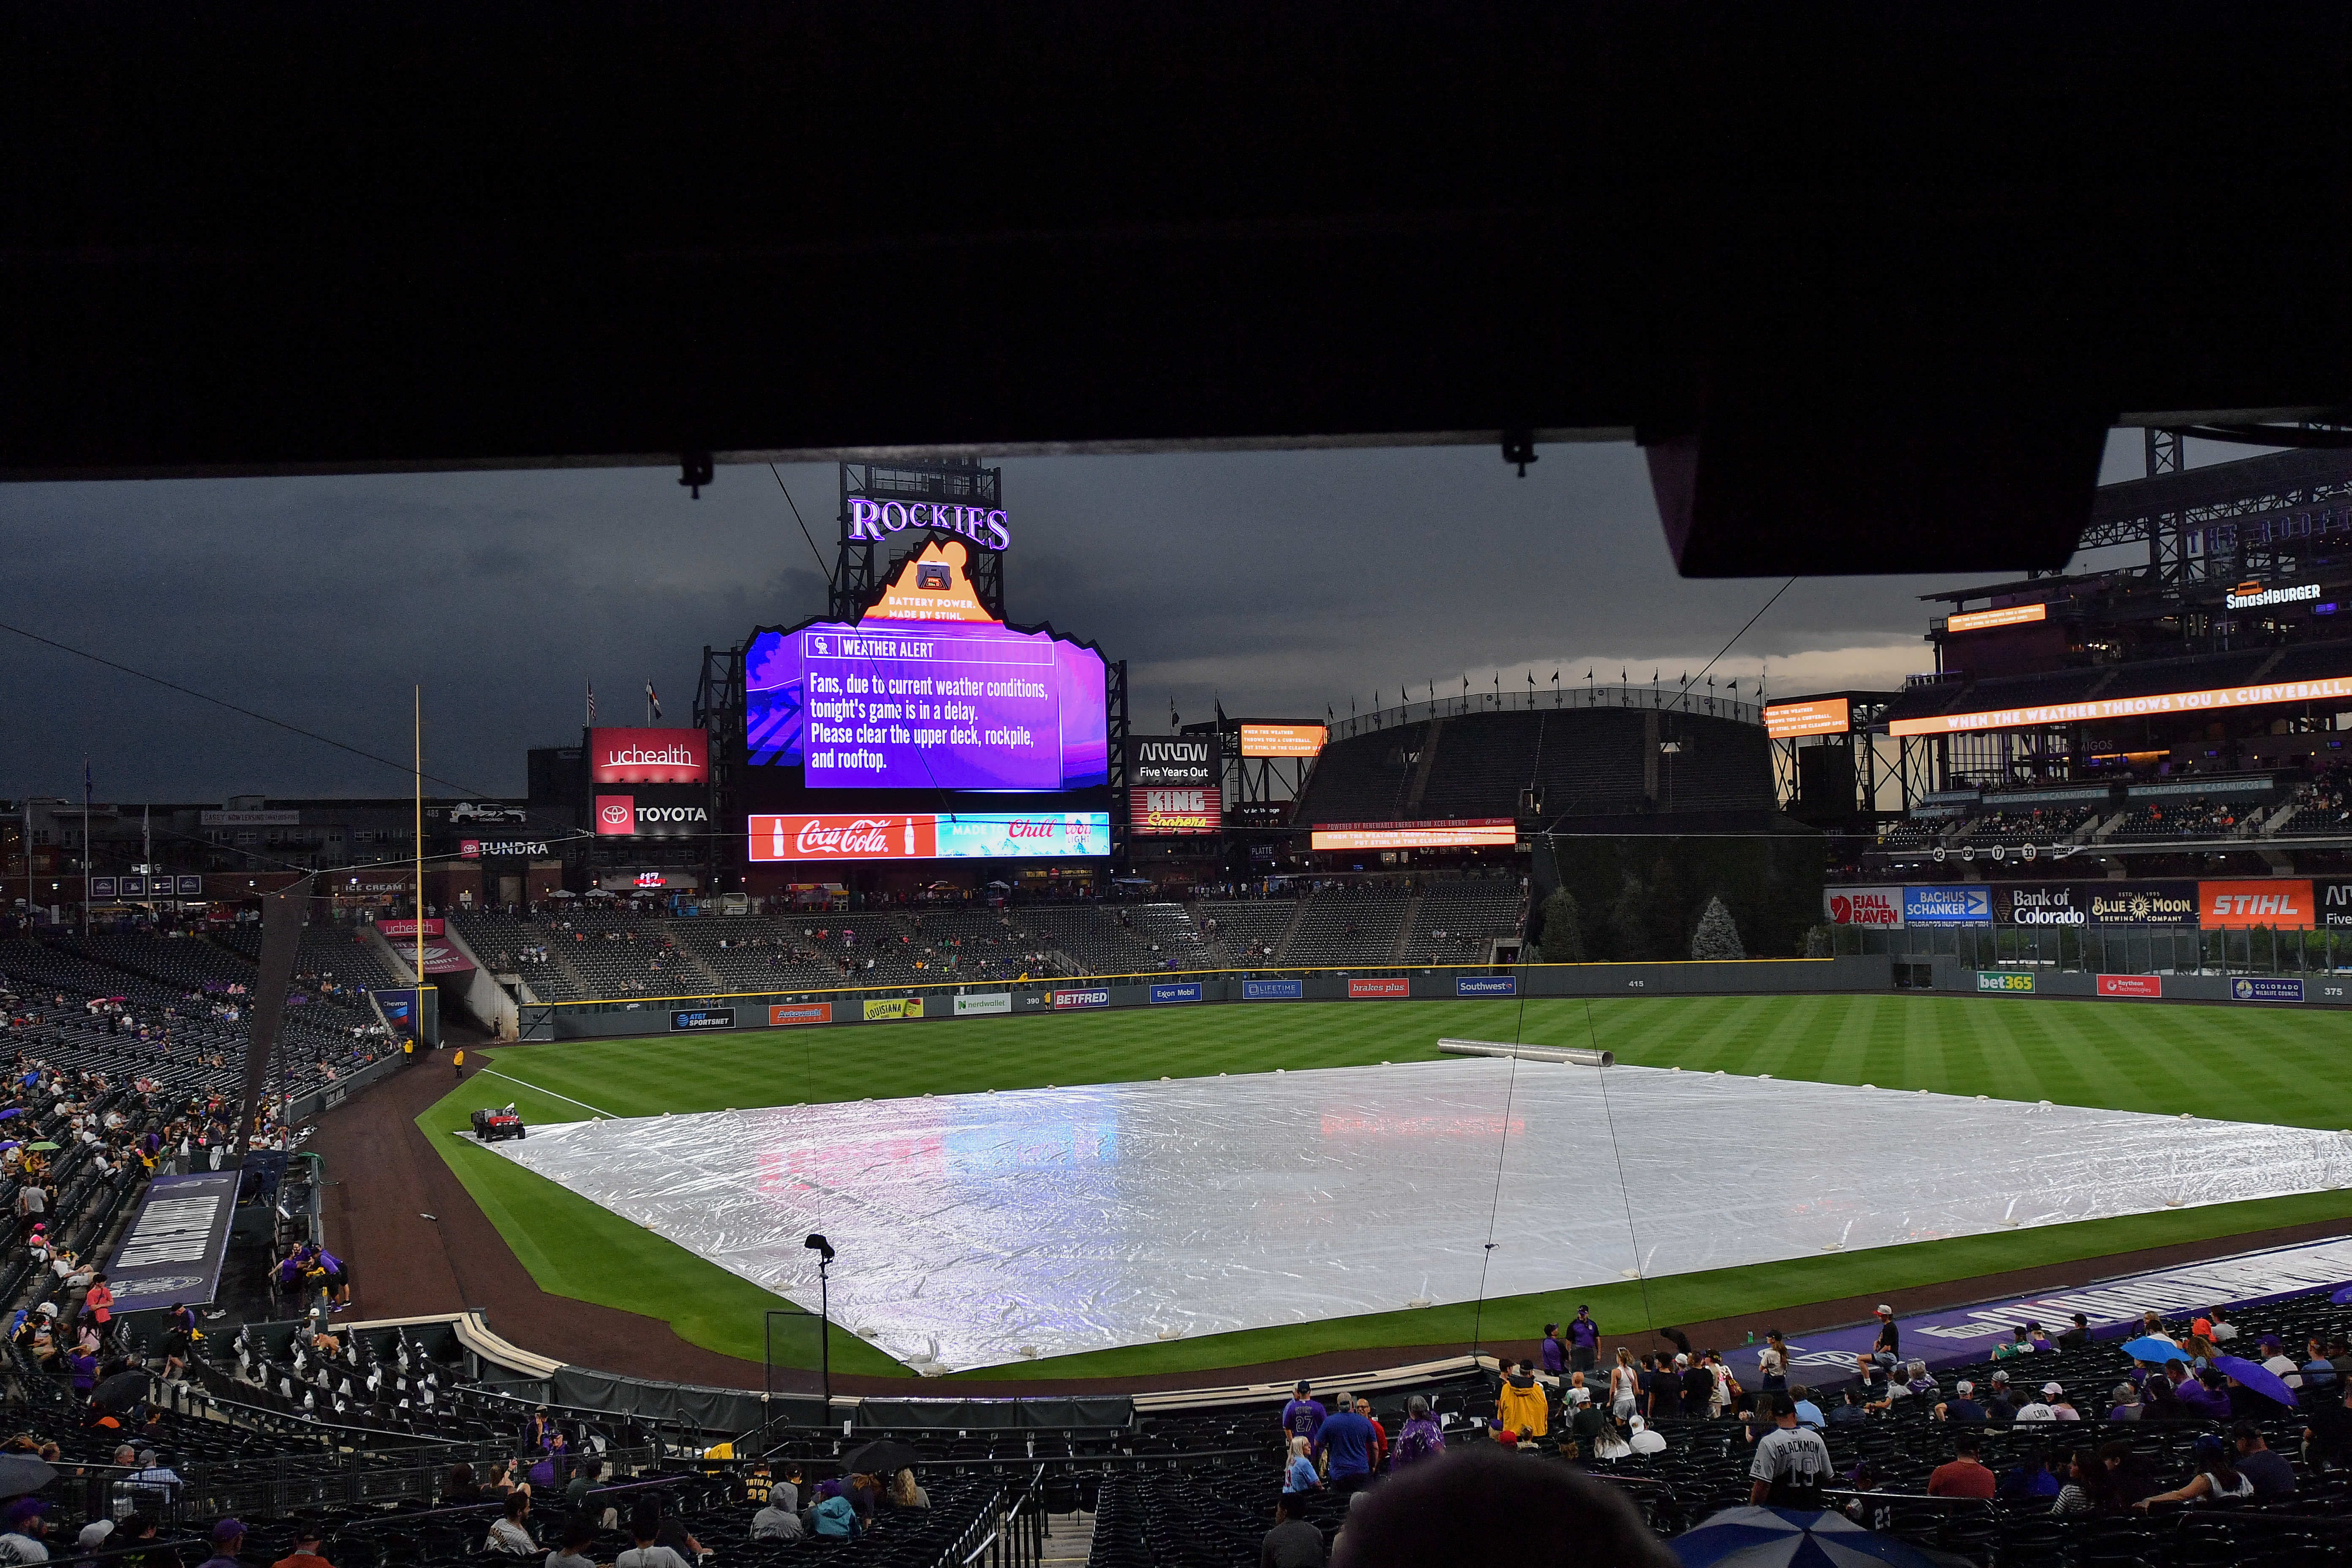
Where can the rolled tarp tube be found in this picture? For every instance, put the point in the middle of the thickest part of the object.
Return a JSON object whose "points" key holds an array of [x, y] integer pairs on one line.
{"points": [[1574, 1055]]}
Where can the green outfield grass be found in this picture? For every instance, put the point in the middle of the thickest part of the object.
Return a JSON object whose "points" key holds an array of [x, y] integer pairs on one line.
{"points": [[2237, 1063]]}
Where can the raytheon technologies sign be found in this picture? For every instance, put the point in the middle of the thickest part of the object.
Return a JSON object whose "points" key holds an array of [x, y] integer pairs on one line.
{"points": [[648, 756]]}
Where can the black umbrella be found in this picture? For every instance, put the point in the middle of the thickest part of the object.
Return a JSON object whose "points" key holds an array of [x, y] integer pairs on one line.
{"points": [[19, 1475], [121, 1392], [884, 1456]]}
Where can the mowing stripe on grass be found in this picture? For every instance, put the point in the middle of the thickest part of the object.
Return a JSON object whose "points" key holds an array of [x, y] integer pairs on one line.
{"points": [[550, 1094]]}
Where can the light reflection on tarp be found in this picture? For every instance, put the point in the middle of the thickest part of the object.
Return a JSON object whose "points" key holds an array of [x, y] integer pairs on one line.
{"points": [[1074, 1219]]}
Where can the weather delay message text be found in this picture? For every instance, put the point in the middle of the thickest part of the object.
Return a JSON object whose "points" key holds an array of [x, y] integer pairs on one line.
{"points": [[964, 710]]}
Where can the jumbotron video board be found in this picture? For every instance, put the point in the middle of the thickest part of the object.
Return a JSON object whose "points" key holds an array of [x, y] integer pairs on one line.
{"points": [[926, 698]]}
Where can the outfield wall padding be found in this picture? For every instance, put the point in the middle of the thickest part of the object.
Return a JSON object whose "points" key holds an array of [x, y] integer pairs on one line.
{"points": [[1850, 973]]}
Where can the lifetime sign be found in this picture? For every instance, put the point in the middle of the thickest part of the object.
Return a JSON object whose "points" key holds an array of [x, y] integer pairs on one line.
{"points": [[872, 519]]}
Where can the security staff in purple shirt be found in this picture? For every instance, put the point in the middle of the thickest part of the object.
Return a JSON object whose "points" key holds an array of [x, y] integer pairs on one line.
{"points": [[1583, 1340]]}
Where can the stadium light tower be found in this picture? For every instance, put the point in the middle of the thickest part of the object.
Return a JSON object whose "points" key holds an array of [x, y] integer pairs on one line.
{"points": [[824, 1250]]}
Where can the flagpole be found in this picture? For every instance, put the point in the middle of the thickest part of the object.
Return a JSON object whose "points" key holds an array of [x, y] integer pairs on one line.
{"points": [[85, 849], [416, 695]]}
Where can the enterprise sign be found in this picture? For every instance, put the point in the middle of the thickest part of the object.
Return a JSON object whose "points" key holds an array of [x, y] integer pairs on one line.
{"points": [[2337, 689], [2254, 595]]}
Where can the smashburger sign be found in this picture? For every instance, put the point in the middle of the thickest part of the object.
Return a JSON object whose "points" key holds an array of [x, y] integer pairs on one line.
{"points": [[648, 756], [1881, 907]]}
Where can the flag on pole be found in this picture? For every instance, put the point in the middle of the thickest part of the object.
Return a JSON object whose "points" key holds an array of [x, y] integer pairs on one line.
{"points": [[592, 705], [653, 702]]}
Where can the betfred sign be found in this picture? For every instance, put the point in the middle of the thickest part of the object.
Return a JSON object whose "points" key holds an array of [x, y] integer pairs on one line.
{"points": [[2278, 904], [1063, 1000], [2149, 985], [1376, 990], [648, 756], [1880, 907]]}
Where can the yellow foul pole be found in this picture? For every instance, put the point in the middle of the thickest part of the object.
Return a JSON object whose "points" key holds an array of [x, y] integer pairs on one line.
{"points": [[418, 703]]}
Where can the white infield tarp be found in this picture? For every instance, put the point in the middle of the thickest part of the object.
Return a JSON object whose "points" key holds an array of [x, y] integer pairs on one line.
{"points": [[987, 1228]]}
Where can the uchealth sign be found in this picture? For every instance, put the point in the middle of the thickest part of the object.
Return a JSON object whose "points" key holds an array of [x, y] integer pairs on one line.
{"points": [[648, 756], [1881, 907], [2277, 902]]}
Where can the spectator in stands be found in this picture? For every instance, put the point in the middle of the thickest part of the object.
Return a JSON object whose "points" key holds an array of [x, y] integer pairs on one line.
{"points": [[1624, 1384], [1772, 1364], [1304, 1415], [1555, 1514], [459, 1484], [645, 1521], [579, 1535], [2220, 1330], [585, 1479], [1808, 1412], [2216, 1477], [98, 1303], [2029, 1478], [308, 1538], [1791, 1464], [228, 1538], [1698, 1387], [2017, 1345], [1379, 1434], [1299, 1470], [2088, 1488], [2273, 1475], [1965, 1475], [26, 1526], [1555, 1354], [1520, 1404], [1583, 1340], [2037, 1408], [1420, 1438], [1888, 1346], [1345, 1443], [132, 1530], [2318, 1371], [2327, 1430], [2078, 1337], [1962, 1408], [906, 1493], [2276, 1360], [1294, 1541], [508, 1533]]}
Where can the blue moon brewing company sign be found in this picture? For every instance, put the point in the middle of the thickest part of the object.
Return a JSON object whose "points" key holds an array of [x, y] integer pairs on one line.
{"points": [[172, 1251]]}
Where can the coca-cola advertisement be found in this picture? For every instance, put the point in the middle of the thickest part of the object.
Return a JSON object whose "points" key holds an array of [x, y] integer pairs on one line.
{"points": [[929, 836]]}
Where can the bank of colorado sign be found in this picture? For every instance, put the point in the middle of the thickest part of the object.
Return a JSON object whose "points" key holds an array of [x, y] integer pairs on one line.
{"points": [[648, 756]]}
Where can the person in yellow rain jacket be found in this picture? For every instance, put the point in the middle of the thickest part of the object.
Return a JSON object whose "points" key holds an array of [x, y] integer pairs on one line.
{"points": [[458, 1061], [1523, 1406]]}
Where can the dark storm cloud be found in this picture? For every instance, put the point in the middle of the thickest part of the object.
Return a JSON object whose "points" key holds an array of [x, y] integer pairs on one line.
{"points": [[1279, 582]]}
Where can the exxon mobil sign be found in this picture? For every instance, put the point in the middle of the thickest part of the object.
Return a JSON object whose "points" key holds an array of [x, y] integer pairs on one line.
{"points": [[648, 756], [1881, 907]]}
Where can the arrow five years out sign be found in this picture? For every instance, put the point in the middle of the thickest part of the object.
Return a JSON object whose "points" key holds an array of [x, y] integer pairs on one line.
{"points": [[172, 1251]]}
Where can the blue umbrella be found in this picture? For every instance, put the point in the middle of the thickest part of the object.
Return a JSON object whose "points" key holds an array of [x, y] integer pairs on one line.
{"points": [[1788, 1538], [2150, 1348], [2256, 1376]]}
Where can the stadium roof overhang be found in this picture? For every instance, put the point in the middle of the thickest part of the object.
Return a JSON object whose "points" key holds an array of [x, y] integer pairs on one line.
{"points": [[1871, 287]]}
